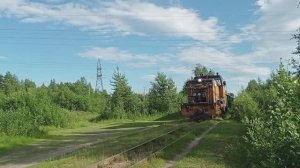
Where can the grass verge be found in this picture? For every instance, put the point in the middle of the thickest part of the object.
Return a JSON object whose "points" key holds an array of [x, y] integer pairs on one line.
{"points": [[213, 148], [97, 152], [79, 121], [212, 151], [170, 152]]}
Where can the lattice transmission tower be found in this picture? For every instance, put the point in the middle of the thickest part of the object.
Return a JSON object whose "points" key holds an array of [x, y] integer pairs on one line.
{"points": [[99, 84]]}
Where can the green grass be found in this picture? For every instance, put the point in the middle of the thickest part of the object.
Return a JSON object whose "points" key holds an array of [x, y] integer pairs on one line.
{"points": [[212, 151], [170, 152], [9, 143], [79, 124], [92, 154]]}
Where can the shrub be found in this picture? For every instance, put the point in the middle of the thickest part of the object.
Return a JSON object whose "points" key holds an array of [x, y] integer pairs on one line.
{"points": [[244, 106], [24, 113], [273, 133], [18, 123]]}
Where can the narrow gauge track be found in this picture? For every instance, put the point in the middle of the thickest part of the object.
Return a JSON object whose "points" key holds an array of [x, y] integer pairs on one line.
{"points": [[158, 151], [178, 156], [135, 155]]}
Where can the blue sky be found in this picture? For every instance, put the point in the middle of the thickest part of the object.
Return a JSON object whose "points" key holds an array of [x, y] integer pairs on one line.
{"points": [[62, 39]]}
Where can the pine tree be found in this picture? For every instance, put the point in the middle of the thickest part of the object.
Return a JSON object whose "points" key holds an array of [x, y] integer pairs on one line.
{"points": [[163, 96], [122, 101], [10, 83]]}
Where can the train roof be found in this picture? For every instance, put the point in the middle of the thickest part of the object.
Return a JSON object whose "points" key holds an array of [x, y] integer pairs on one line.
{"points": [[215, 77], [218, 78]]}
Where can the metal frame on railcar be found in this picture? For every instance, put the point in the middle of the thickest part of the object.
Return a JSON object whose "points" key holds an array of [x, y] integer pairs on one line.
{"points": [[207, 97]]}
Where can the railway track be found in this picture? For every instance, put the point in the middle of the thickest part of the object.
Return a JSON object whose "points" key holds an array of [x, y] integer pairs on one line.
{"points": [[139, 153]]}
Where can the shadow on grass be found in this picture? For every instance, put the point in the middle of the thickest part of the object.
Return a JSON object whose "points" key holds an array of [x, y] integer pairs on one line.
{"points": [[134, 124], [213, 150], [171, 116], [56, 145]]}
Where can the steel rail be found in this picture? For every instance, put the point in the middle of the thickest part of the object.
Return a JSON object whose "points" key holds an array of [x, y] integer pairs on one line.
{"points": [[134, 147], [158, 151]]}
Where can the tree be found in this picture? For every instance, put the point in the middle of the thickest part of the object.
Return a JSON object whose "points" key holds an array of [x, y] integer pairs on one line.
{"points": [[272, 138], [122, 101], [82, 87], [297, 38], [1, 81], [28, 84], [295, 62], [202, 70], [10, 83], [162, 95], [198, 71]]}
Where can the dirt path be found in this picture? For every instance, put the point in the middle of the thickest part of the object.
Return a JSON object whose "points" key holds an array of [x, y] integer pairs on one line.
{"points": [[62, 145], [191, 145]]}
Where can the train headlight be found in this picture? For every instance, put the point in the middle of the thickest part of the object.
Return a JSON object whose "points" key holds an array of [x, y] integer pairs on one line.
{"points": [[199, 80]]}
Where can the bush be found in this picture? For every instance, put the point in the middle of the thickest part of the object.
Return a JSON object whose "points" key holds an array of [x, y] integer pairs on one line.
{"points": [[18, 123], [244, 106], [24, 113], [273, 133]]}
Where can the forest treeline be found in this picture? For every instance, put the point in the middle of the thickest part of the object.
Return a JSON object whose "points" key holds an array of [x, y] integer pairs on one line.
{"points": [[25, 107], [270, 111]]}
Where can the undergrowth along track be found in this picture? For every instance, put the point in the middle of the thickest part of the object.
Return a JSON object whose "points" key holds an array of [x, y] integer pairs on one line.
{"points": [[140, 152], [160, 150]]}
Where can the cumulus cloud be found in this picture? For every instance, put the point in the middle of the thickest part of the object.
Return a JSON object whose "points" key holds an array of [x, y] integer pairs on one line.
{"points": [[271, 33], [108, 54], [226, 61], [179, 70], [125, 17], [132, 60], [150, 77]]}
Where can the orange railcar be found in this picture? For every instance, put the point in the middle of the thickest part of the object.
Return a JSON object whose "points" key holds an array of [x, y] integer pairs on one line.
{"points": [[207, 97]]}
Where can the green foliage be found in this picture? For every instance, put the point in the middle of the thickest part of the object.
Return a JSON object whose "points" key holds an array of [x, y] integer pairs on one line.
{"points": [[199, 70], [162, 95], [78, 96], [10, 84], [123, 103], [24, 113], [297, 38], [25, 109], [202, 70], [18, 123], [28, 85], [122, 100], [244, 106], [273, 132]]}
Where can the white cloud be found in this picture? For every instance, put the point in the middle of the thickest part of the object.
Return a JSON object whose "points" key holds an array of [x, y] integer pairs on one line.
{"points": [[263, 4], [108, 54], [126, 17], [150, 77], [132, 60], [227, 62], [272, 31], [179, 70]]}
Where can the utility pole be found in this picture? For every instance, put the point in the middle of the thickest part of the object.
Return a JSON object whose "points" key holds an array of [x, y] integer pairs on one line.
{"points": [[99, 84]]}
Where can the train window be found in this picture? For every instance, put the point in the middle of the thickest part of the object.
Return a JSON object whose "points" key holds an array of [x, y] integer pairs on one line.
{"points": [[201, 97]]}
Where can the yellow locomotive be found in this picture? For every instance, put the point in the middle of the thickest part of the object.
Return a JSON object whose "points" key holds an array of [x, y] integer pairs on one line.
{"points": [[206, 97]]}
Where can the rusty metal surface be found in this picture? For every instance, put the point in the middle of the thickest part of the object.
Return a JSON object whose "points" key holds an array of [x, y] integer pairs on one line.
{"points": [[207, 97]]}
